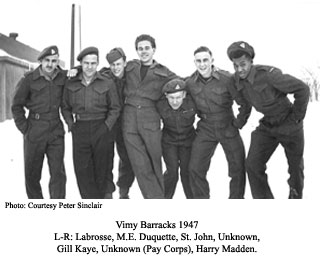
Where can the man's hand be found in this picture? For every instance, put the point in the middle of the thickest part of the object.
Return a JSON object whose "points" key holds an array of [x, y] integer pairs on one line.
{"points": [[72, 73]]}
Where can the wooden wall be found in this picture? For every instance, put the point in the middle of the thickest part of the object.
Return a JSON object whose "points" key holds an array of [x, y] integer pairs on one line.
{"points": [[11, 71]]}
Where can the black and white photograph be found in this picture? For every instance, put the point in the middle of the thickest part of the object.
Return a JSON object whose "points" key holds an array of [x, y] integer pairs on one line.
{"points": [[209, 108]]}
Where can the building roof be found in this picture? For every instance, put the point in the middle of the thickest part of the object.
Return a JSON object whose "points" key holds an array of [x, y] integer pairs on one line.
{"points": [[17, 49]]}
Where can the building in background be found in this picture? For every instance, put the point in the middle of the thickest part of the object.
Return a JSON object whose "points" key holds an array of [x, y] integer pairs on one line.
{"points": [[16, 58]]}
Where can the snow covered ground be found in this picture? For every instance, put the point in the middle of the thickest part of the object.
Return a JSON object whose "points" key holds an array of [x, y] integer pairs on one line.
{"points": [[12, 170]]}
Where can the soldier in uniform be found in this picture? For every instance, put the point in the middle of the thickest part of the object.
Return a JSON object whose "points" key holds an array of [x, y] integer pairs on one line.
{"points": [[40, 92], [91, 108], [213, 96], [117, 60], [141, 127], [266, 88], [177, 111]]}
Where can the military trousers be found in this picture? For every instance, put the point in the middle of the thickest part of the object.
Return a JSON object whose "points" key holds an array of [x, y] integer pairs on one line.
{"points": [[92, 144], [209, 135], [264, 141], [125, 171], [142, 137], [44, 138], [176, 157]]}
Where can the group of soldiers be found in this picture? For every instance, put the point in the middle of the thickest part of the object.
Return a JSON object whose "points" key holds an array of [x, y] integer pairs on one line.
{"points": [[124, 105]]}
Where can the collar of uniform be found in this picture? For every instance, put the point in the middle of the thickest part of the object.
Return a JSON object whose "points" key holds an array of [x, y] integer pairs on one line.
{"points": [[214, 74], [36, 73], [97, 75], [39, 73], [153, 65], [252, 74]]}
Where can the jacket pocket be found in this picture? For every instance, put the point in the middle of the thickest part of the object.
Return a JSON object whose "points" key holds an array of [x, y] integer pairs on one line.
{"points": [[99, 95], [38, 85], [220, 90], [40, 92], [75, 94], [100, 89], [74, 88], [265, 92]]}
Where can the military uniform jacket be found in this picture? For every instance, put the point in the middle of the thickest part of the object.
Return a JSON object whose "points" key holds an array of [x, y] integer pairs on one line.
{"points": [[39, 95], [266, 88], [91, 102], [151, 86], [119, 82], [214, 98], [178, 126]]}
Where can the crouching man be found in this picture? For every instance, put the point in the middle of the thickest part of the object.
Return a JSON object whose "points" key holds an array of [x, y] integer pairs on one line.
{"points": [[177, 111]]}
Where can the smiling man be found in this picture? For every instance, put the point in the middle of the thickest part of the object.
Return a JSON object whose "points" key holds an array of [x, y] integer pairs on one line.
{"points": [[91, 108], [117, 61], [40, 92], [266, 88], [141, 127], [177, 111], [213, 96]]}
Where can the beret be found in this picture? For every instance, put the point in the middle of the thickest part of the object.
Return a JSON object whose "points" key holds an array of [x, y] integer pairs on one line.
{"points": [[48, 51], [237, 49], [173, 86], [115, 54], [88, 51]]}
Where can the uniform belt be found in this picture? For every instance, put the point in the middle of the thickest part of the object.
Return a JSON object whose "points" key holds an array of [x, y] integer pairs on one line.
{"points": [[274, 121], [90, 116], [44, 116], [217, 116], [139, 102]]}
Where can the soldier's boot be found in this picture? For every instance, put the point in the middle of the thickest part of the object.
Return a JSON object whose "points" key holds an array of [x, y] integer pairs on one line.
{"points": [[124, 193], [294, 194], [108, 196]]}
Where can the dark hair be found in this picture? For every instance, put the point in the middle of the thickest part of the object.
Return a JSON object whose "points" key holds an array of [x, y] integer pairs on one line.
{"points": [[145, 37], [202, 49]]}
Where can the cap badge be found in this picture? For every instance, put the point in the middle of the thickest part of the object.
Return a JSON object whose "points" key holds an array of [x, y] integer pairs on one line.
{"points": [[52, 51], [177, 86], [243, 45]]}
